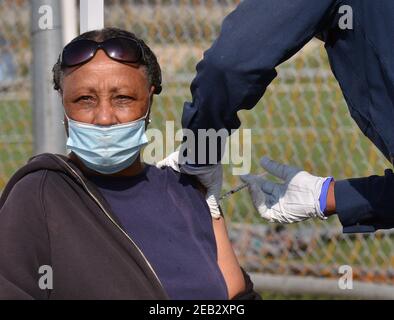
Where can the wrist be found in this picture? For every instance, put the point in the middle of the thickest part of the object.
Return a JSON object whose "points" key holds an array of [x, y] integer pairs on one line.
{"points": [[331, 207]]}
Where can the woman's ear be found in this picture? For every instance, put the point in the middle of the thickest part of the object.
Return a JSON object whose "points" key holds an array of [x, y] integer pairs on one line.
{"points": [[151, 93], [147, 122]]}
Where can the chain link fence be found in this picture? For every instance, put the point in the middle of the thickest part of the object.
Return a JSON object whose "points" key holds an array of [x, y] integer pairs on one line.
{"points": [[302, 120], [15, 112]]}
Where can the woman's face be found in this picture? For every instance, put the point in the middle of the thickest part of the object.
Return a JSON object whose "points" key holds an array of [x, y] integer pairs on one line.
{"points": [[105, 92]]}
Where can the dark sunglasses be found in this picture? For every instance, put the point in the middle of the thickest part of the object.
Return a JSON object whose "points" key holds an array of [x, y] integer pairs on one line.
{"points": [[121, 49]]}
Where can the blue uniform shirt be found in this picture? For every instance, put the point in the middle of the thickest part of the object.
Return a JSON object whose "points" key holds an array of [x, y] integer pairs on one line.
{"points": [[169, 220]]}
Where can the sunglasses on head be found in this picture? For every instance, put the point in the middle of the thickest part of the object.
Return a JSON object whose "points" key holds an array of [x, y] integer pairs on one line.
{"points": [[121, 49]]}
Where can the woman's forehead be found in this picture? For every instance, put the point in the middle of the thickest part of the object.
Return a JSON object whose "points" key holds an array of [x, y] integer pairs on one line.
{"points": [[103, 69]]}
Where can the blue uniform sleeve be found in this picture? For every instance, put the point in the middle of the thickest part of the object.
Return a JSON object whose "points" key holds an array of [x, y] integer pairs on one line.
{"points": [[256, 37], [366, 204]]}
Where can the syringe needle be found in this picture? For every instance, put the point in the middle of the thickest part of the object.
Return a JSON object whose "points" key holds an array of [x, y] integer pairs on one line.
{"points": [[236, 189]]}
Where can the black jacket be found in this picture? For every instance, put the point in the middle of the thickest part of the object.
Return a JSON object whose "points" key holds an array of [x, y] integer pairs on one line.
{"points": [[51, 215]]}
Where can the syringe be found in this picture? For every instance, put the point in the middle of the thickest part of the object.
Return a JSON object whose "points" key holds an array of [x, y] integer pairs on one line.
{"points": [[236, 189]]}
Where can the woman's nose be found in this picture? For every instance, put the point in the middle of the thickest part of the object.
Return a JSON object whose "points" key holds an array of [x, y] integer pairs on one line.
{"points": [[105, 114]]}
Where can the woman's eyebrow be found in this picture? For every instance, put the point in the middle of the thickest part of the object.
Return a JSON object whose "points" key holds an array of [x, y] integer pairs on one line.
{"points": [[85, 90], [123, 89]]}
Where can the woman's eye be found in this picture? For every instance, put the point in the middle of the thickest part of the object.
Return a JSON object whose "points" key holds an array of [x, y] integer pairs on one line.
{"points": [[85, 99], [124, 98]]}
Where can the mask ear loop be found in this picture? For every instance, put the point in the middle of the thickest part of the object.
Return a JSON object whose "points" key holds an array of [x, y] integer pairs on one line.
{"points": [[67, 117], [147, 114]]}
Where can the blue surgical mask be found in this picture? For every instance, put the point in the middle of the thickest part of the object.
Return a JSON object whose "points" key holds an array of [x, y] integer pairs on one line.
{"points": [[107, 149]]}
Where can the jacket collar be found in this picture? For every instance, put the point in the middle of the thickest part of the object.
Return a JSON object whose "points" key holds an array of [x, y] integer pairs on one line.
{"points": [[58, 163]]}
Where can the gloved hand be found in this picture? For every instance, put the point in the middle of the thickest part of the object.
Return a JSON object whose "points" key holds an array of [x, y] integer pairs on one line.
{"points": [[295, 200], [210, 176]]}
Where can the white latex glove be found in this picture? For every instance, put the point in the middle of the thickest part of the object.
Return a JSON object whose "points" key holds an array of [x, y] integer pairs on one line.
{"points": [[295, 200], [211, 177]]}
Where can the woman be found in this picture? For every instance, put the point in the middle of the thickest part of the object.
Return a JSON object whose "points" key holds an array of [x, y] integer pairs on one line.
{"points": [[107, 225]]}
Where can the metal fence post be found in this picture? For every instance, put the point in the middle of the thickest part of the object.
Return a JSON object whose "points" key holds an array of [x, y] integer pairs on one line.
{"points": [[91, 15], [69, 20], [46, 32]]}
